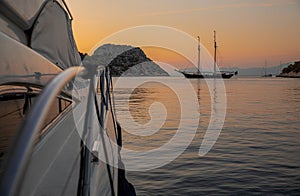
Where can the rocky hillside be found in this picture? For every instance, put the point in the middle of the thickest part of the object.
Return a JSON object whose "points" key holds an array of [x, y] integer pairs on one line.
{"points": [[124, 61], [293, 71]]}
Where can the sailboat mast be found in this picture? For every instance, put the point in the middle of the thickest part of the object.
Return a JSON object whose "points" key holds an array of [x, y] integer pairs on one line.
{"points": [[265, 67], [215, 53], [198, 54]]}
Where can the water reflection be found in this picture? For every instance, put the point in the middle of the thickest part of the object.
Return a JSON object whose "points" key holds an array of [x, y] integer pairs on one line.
{"points": [[211, 98], [144, 107], [174, 105], [212, 101], [257, 151]]}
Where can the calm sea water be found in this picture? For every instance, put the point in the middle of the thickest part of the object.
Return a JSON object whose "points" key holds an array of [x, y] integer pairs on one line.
{"points": [[257, 151]]}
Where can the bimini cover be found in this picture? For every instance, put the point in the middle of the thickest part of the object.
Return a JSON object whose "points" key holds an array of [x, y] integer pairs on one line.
{"points": [[21, 12], [52, 36]]}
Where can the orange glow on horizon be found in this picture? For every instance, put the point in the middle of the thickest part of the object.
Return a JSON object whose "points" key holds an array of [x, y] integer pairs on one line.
{"points": [[248, 32]]}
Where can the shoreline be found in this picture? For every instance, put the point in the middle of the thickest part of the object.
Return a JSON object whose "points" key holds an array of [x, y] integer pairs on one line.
{"points": [[289, 75]]}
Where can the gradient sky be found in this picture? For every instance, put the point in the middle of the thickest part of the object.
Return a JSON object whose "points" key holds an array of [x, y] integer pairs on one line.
{"points": [[248, 31]]}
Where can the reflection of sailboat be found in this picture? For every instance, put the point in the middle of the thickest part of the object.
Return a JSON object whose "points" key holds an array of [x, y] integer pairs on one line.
{"points": [[215, 74], [218, 107]]}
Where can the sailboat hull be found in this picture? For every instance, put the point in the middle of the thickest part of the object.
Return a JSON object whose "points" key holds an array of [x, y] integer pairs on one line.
{"points": [[202, 76]]}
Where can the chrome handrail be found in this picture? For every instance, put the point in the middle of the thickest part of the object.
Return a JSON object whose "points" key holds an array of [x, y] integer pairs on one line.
{"points": [[88, 126], [21, 153]]}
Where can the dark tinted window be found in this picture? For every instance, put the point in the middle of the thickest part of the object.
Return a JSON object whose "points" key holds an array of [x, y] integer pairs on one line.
{"points": [[58, 106], [15, 102], [13, 108]]}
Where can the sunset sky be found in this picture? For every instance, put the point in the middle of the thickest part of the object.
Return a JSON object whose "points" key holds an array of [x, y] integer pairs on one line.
{"points": [[248, 31]]}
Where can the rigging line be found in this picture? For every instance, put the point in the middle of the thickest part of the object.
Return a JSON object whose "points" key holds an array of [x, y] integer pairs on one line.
{"points": [[113, 109], [109, 84], [102, 90], [104, 148], [113, 98], [110, 142], [109, 99], [81, 171]]}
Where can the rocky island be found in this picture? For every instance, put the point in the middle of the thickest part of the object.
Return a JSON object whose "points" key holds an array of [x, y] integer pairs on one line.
{"points": [[124, 60], [292, 71]]}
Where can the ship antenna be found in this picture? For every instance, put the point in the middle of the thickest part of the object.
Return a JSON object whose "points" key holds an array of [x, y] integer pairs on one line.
{"points": [[198, 54]]}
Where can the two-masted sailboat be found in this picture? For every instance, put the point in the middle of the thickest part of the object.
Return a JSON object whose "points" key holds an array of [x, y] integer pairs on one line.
{"points": [[215, 74]]}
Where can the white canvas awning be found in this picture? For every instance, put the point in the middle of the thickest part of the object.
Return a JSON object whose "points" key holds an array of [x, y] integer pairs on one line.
{"points": [[43, 25], [52, 36]]}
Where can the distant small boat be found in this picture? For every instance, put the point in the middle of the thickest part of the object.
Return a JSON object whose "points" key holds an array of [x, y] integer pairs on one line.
{"points": [[215, 74], [225, 75], [266, 74]]}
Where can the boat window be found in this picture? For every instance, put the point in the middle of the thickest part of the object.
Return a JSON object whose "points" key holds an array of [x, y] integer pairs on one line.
{"points": [[15, 103], [58, 106], [63, 103], [13, 107]]}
